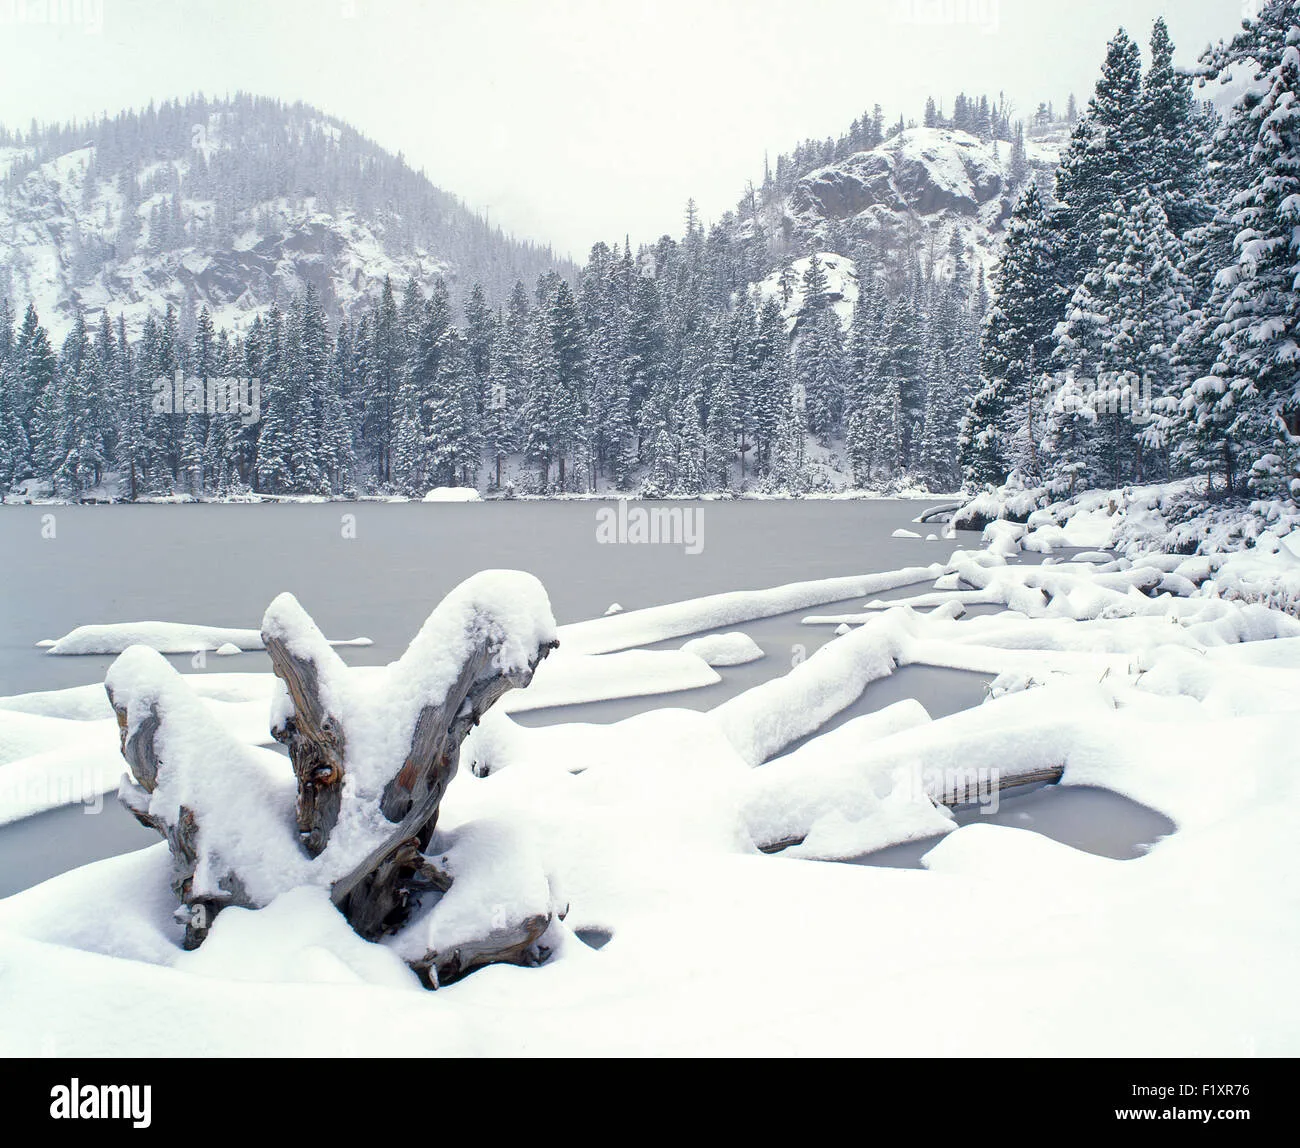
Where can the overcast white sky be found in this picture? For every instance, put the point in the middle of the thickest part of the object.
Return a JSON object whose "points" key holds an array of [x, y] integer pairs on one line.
{"points": [[577, 120]]}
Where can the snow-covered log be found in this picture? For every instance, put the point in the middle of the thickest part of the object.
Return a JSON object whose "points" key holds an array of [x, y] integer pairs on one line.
{"points": [[886, 777], [399, 738], [372, 757], [221, 806]]}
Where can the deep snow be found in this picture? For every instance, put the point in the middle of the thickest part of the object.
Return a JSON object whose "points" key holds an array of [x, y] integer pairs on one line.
{"points": [[1126, 670]]}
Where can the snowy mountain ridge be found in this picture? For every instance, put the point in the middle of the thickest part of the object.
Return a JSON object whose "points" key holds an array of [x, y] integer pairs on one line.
{"points": [[233, 205], [919, 187]]}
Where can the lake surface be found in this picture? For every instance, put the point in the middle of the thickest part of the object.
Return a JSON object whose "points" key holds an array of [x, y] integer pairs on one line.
{"points": [[377, 570], [1095, 820]]}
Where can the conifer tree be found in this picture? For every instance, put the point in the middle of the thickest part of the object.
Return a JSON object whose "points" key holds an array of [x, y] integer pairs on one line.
{"points": [[1261, 321]]}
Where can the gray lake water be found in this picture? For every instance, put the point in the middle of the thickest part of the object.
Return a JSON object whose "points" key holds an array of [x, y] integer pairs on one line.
{"points": [[377, 570], [221, 565], [1094, 820]]}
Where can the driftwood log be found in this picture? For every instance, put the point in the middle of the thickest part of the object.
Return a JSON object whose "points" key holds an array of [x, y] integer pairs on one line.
{"points": [[179, 828], [960, 788], [380, 889]]}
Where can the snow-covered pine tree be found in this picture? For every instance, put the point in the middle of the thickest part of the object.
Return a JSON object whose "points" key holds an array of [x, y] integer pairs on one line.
{"points": [[863, 360], [39, 388], [769, 357], [452, 437], [1086, 430], [1261, 328], [820, 367], [569, 400], [309, 364], [407, 471], [1116, 346], [1170, 136], [275, 439], [1018, 164], [480, 333], [1103, 164], [337, 453], [789, 470], [506, 385], [901, 386], [1001, 429], [646, 354], [543, 383], [15, 449], [1153, 294], [738, 337], [385, 361]]}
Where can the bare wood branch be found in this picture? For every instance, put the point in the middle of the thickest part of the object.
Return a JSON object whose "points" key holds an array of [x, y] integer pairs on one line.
{"points": [[139, 748], [380, 890], [316, 743], [514, 944], [373, 896], [965, 790]]}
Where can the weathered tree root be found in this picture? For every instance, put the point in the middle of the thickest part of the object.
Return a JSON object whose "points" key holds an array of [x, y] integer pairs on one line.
{"points": [[379, 890]]}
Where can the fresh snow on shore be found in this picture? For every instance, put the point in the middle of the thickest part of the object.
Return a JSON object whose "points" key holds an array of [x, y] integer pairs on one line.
{"points": [[1171, 679]]}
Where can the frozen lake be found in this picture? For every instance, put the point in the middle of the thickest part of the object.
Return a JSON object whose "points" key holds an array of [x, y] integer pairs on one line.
{"points": [[377, 569], [221, 565]]}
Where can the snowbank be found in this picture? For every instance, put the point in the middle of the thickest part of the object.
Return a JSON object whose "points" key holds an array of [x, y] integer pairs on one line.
{"points": [[453, 494], [166, 638], [1123, 670], [1235, 550], [734, 649], [659, 623]]}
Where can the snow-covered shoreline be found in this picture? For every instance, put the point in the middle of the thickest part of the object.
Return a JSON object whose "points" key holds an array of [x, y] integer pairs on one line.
{"points": [[1243, 550], [907, 494], [1114, 667]]}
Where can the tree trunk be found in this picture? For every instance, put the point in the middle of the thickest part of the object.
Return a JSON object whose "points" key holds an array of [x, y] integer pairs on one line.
{"points": [[385, 874]]}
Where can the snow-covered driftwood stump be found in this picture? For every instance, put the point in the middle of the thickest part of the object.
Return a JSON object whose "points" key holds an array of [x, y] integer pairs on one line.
{"points": [[373, 752]]}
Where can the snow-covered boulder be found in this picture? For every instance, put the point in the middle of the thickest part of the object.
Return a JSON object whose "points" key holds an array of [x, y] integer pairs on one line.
{"points": [[453, 494], [724, 649]]}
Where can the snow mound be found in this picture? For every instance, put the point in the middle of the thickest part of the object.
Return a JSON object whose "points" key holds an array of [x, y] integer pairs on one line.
{"points": [[497, 878], [453, 494], [683, 832], [166, 638], [733, 649], [299, 938], [570, 679]]}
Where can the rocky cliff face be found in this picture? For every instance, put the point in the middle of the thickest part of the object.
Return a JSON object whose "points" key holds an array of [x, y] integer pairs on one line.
{"points": [[919, 187]]}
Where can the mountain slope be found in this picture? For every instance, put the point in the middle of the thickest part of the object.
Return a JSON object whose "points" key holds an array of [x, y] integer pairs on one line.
{"points": [[231, 204], [914, 191]]}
